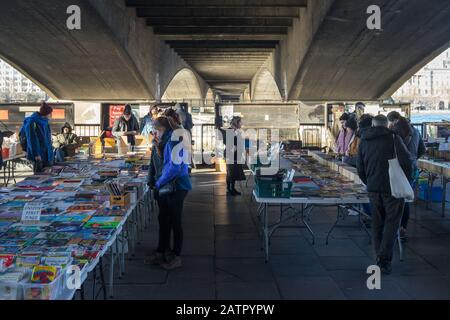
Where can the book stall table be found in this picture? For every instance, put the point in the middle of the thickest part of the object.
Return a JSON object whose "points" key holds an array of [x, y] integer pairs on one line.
{"points": [[350, 173], [434, 170], [9, 168], [314, 185], [72, 216]]}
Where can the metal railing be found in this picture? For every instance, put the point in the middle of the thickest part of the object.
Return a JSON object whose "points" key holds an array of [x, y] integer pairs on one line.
{"points": [[87, 130], [204, 137], [312, 135]]}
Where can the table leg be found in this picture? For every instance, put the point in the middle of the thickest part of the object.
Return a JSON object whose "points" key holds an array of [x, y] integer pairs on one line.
{"points": [[94, 283], [102, 279], [364, 226], [4, 173], [444, 194], [306, 223], [13, 170], [118, 254], [266, 232], [8, 167], [431, 178], [111, 274], [338, 215]]}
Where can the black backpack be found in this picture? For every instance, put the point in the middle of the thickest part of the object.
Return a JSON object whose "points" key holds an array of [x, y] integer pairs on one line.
{"points": [[23, 138]]}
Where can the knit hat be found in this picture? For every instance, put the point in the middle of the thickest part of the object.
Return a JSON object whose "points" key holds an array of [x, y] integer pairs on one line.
{"points": [[127, 110], [45, 109]]}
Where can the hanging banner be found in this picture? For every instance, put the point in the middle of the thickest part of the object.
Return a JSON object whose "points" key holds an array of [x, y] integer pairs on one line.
{"points": [[115, 112]]}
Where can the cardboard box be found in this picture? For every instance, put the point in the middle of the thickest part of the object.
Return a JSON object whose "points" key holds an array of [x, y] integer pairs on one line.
{"points": [[221, 165], [121, 201]]}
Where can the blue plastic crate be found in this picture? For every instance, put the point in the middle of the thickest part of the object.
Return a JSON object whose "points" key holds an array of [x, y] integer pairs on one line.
{"points": [[436, 193]]}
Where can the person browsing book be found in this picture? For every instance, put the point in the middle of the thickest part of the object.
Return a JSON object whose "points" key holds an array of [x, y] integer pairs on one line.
{"points": [[169, 177], [378, 146], [36, 138], [127, 125]]}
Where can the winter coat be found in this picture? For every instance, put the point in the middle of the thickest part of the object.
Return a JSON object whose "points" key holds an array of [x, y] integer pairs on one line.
{"points": [[174, 169], [416, 146], [157, 160], [235, 170], [343, 140], [39, 138], [375, 149], [121, 125], [146, 125]]}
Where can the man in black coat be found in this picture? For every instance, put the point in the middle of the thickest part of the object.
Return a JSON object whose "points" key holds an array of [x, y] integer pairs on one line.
{"points": [[375, 149]]}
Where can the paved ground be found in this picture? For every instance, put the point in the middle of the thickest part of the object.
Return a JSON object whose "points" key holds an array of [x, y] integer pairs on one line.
{"points": [[223, 257]]}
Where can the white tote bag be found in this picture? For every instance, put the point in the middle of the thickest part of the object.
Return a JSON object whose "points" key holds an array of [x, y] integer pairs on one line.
{"points": [[400, 186]]}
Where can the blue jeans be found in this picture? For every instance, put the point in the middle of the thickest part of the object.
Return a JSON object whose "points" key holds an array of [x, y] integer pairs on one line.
{"points": [[59, 155]]}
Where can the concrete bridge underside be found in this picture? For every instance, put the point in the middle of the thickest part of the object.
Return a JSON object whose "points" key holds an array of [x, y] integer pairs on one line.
{"points": [[272, 49]]}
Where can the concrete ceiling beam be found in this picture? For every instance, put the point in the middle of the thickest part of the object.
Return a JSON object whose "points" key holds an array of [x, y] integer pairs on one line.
{"points": [[219, 12], [222, 50], [216, 3], [240, 22], [223, 37], [220, 30], [224, 55], [219, 44]]}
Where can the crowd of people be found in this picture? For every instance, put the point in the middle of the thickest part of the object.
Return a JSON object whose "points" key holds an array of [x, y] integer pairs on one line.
{"points": [[368, 143], [168, 178]]}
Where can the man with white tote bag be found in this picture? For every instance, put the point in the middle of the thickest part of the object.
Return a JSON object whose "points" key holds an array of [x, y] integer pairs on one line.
{"points": [[384, 165]]}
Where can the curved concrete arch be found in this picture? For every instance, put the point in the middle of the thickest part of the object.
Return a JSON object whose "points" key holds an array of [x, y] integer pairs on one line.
{"points": [[265, 87], [184, 86]]}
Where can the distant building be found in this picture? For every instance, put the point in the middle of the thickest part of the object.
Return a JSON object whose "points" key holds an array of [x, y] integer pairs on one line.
{"points": [[430, 87], [16, 87]]}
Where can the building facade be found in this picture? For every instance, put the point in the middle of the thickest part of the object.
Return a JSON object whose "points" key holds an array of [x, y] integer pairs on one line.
{"points": [[430, 87], [16, 87]]}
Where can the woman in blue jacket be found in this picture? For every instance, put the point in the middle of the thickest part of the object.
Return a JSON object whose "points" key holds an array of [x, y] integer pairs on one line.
{"points": [[175, 172]]}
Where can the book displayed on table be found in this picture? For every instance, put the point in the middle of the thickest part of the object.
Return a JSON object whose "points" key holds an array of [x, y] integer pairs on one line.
{"points": [[76, 223]]}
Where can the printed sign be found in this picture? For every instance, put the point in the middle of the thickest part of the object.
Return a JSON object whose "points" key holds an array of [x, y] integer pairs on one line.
{"points": [[115, 112], [4, 115], [32, 212], [59, 114]]}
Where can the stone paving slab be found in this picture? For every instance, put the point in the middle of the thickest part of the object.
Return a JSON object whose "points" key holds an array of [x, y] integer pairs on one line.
{"points": [[223, 259]]}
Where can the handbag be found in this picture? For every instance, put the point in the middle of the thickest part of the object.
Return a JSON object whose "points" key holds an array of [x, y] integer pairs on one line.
{"points": [[400, 186], [168, 189]]}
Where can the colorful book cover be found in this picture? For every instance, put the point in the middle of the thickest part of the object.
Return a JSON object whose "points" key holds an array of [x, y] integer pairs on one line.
{"points": [[55, 261], [97, 234], [117, 211], [65, 226], [28, 261], [84, 207], [103, 222], [44, 274], [6, 261]]}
